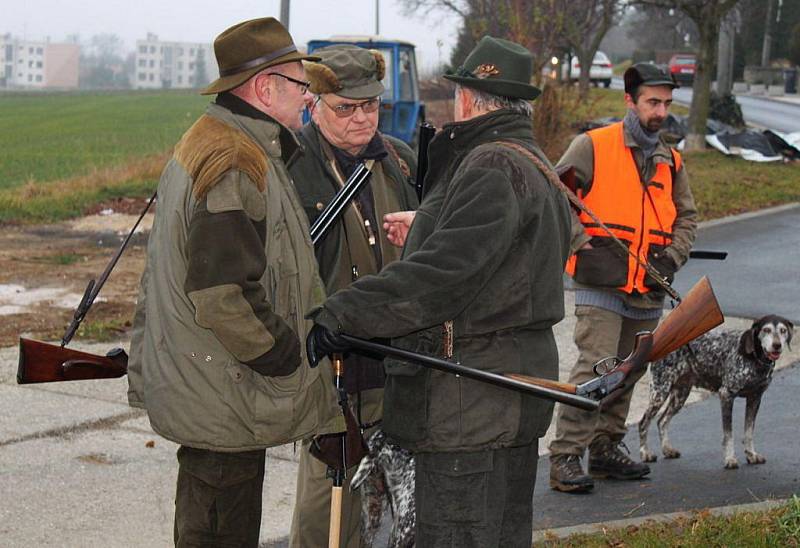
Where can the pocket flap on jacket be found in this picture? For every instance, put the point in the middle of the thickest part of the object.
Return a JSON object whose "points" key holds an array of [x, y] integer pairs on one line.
{"points": [[461, 464]]}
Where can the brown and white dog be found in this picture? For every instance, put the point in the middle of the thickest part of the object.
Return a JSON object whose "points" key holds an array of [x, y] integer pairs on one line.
{"points": [[731, 363]]}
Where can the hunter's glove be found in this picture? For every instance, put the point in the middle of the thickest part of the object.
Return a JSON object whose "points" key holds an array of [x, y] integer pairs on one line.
{"points": [[663, 263], [320, 342]]}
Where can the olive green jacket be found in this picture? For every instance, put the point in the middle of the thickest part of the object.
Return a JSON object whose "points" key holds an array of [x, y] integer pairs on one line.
{"points": [[580, 155], [487, 251], [346, 248], [216, 357], [317, 179]]}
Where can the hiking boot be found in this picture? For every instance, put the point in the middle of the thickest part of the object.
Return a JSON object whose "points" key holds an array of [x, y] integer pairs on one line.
{"points": [[606, 460], [566, 474]]}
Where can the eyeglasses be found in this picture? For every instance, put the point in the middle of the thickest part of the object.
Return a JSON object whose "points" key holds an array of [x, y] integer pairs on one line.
{"points": [[348, 109], [303, 85]]}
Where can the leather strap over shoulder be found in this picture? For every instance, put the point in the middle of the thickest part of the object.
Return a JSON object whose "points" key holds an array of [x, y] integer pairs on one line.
{"points": [[552, 177], [393, 151]]}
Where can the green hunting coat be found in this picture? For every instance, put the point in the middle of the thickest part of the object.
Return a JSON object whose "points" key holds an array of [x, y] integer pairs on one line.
{"points": [[487, 251], [346, 247], [216, 357]]}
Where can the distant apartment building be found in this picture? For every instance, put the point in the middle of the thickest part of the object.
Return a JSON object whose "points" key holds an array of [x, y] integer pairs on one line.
{"points": [[27, 64], [173, 65]]}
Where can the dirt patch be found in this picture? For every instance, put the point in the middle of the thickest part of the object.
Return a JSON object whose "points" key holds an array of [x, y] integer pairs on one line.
{"points": [[128, 206], [44, 271]]}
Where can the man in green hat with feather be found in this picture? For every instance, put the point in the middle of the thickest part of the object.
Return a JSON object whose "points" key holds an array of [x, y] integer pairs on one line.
{"points": [[480, 283]]}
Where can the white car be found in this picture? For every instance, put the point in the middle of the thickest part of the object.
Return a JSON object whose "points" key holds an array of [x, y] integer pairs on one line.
{"points": [[600, 73]]}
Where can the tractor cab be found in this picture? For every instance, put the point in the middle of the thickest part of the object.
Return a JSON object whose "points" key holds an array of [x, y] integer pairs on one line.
{"points": [[401, 111]]}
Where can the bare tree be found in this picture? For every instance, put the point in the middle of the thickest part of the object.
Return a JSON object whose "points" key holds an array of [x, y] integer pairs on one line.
{"points": [[661, 29], [535, 24], [707, 15], [586, 22]]}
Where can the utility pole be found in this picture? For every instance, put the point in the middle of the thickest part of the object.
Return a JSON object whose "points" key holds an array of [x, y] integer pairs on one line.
{"points": [[767, 46], [285, 13], [377, 17]]}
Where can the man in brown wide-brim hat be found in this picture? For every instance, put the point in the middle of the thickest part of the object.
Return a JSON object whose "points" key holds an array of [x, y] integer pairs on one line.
{"points": [[215, 352]]}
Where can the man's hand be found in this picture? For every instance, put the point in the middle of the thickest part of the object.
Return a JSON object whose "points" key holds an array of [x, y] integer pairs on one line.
{"points": [[397, 225], [321, 342]]}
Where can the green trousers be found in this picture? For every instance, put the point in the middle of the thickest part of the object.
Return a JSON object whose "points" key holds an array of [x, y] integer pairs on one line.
{"points": [[599, 333], [478, 499], [218, 498]]}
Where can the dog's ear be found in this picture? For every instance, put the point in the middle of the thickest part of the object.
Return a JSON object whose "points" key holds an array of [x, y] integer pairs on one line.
{"points": [[747, 342]]}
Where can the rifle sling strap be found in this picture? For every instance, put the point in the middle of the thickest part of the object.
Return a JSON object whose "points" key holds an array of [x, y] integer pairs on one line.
{"points": [[552, 177]]}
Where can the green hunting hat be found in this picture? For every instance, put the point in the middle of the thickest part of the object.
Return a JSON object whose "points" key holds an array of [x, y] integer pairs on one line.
{"points": [[499, 67], [346, 70], [248, 48], [646, 74]]}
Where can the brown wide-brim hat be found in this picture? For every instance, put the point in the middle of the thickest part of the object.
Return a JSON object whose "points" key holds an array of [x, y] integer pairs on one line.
{"points": [[499, 67], [248, 48]]}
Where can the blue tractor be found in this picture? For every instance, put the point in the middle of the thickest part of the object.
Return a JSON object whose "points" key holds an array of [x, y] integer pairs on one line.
{"points": [[401, 110]]}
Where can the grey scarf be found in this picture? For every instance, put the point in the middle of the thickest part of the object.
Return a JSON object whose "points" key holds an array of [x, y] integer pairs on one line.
{"points": [[646, 140]]}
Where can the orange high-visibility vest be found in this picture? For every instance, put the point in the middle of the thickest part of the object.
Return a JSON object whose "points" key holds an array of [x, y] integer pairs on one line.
{"points": [[638, 213]]}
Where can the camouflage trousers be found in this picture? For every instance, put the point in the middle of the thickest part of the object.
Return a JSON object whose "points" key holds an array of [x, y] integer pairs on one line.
{"points": [[599, 333]]}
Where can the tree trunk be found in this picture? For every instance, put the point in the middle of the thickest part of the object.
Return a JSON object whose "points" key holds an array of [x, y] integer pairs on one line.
{"points": [[701, 91], [584, 77], [766, 47]]}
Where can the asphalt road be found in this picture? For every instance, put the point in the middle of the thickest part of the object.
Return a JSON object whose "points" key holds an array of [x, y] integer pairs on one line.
{"points": [[762, 272], [697, 480], [760, 276], [768, 113]]}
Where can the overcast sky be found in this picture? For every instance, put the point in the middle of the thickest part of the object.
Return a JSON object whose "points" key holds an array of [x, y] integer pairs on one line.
{"points": [[202, 20]]}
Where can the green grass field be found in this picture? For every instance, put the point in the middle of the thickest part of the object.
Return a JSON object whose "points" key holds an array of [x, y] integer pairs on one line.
{"points": [[63, 153], [52, 137]]}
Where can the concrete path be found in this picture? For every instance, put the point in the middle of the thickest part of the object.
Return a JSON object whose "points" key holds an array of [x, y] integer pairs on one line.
{"points": [[78, 467]]}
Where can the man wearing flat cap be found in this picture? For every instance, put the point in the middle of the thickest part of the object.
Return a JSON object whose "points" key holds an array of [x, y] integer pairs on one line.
{"points": [[343, 132], [479, 283], [637, 185], [215, 354]]}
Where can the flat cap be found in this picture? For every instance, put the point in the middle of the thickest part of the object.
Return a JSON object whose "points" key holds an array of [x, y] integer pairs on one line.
{"points": [[647, 74], [347, 70]]}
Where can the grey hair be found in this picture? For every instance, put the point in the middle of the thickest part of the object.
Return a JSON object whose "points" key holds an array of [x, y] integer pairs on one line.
{"points": [[485, 101]]}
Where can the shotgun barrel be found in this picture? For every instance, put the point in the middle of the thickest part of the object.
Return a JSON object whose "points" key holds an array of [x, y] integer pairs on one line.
{"points": [[551, 392], [426, 133], [339, 202]]}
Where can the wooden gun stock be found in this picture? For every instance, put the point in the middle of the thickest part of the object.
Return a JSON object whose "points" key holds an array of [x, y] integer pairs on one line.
{"points": [[697, 314], [545, 383], [43, 362]]}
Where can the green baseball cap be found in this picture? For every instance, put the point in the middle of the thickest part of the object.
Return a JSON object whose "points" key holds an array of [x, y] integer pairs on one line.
{"points": [[647, 74], [499, 67], [348, 71]]}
